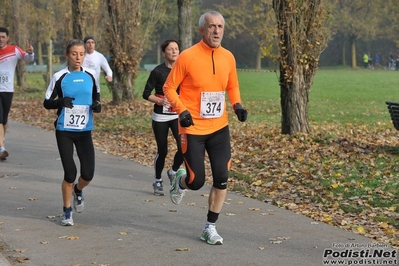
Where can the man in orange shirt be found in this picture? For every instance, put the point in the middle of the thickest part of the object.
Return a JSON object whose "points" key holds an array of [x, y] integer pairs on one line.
{"points": [[205, 72]]}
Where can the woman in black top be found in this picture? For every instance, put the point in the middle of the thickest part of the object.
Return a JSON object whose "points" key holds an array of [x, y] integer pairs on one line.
{"points": [[163, 117]]}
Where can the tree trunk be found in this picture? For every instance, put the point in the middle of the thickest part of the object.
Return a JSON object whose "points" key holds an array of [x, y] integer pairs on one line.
{"points": [[301, 40], [76, 20], [127, 35], [294, 104], [344, 52], [258, 59], [127, 90], [50, 60], [39, 53], [159, 55], [115, 89], [121, 63], [353, 51], [19, 39], [184, 24], [121, 85]]}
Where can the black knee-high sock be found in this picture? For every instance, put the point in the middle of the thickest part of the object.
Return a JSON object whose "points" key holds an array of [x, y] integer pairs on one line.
{"points": [[212, 217], [77, 191]]}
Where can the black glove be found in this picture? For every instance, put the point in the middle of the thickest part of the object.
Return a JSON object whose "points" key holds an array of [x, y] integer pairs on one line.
{"points": [[96, 107], [240, 112], [65, 102], [185, 119]]}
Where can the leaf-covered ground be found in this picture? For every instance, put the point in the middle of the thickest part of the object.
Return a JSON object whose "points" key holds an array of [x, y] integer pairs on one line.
{"points": [[346, 176]]}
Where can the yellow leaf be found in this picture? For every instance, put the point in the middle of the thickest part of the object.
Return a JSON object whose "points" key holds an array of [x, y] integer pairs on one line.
{"points": [[182, 249], [327, 218], [344, 222], [335, 185], [383, 225], [20, 250], [257, 183], [360, 230]]}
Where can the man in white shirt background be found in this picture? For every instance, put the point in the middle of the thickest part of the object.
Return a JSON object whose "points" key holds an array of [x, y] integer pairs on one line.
{"points": [[96, 60]]}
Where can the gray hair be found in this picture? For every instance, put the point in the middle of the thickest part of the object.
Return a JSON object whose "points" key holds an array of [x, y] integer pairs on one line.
{"points": [[212, 13]]}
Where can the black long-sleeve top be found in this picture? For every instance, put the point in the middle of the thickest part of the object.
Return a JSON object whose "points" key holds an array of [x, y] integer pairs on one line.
{"points": [[155, 81]]}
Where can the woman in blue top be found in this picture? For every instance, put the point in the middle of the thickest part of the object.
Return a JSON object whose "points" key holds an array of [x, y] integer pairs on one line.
{"points": [[75, 95]]}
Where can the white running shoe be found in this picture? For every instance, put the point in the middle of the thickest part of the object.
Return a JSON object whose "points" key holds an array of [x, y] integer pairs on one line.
{"points": [[211, 236], [171, 174], [3, 153], [175, 192], [158, 188], [67, 217], [78, 201]]}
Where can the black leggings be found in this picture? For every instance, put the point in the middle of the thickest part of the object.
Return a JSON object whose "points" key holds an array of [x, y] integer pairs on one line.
{"points": [[85, 150], [5, 106], [161, 132], [217, 145]]}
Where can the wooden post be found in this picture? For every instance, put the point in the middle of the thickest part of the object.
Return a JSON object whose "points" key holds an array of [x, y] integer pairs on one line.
{"points": [[49, 61]]}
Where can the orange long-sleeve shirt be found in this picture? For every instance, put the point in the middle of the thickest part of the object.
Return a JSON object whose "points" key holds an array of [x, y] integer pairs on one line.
{"points": [[204, 75]]}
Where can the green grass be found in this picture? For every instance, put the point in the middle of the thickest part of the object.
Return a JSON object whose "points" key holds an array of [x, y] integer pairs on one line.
{"points": [[356, 97], [337, 96]]}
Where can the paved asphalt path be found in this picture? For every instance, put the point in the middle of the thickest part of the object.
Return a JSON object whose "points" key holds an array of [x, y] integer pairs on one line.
{"points": [[125, 224]]}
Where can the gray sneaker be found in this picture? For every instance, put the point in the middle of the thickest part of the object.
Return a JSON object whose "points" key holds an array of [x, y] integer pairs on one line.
{"points": [[211, 236], [171, 174], [158, 188], [67, 217], [175, 192], [78, 201], [3, 154]]}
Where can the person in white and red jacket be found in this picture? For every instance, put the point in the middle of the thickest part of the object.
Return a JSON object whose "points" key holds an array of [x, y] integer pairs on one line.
{"points": [[9, 56]]}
